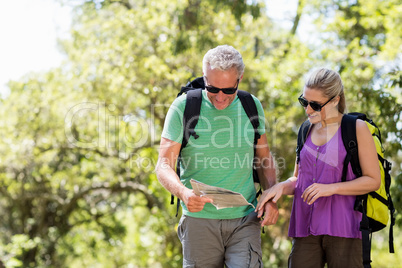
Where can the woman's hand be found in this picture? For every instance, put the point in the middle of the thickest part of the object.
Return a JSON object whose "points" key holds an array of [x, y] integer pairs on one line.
{"points": [[317, 190], [271, 194]]}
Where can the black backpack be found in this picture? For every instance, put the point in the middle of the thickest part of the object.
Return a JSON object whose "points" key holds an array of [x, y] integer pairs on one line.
{"points": [[375, 205], [191, 115]]}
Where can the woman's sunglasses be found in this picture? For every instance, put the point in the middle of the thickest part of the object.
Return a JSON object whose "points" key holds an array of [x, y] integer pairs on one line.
{"points": [[315, 106], [228, 90]]}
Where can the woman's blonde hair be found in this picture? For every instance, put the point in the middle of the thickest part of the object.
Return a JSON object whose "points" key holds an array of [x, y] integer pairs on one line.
{"points": [[330, 83]]}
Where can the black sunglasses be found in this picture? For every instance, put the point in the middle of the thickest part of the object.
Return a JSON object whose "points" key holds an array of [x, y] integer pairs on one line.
{"points": [[228, 90], [315, 106]]}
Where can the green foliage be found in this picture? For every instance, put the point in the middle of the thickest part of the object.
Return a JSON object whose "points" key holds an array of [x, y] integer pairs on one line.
{"points": [[80, 142], [380, 249]]}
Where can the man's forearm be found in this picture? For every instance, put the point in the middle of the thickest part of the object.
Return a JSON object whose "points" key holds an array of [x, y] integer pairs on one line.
{"points": [[267, 173], [169, 179]]}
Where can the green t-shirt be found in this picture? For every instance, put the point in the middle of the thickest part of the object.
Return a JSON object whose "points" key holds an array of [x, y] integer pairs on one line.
{"points": [[222, 156]]}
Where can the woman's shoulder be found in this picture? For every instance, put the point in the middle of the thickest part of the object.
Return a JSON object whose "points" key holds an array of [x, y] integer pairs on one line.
{"points": [[362, 129], [361, 125]]}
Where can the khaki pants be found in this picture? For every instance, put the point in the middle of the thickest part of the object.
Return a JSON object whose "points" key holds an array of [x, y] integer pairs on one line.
{"points": [[315, 251], [209, 243]]}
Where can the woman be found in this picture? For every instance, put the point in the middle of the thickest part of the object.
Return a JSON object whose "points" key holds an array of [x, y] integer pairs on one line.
{"points": [[323, 223]]}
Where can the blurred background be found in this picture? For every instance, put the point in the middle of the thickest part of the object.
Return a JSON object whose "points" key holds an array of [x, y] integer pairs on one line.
{"points": [[85, 86]]}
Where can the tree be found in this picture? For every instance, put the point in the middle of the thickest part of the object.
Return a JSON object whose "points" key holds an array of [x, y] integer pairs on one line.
{"points": [[86, 132]]}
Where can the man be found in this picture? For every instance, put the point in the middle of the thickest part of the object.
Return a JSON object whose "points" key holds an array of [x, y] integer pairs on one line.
{"points": [[222, 156]]}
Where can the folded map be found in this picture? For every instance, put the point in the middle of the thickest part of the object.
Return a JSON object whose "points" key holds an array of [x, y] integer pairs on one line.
{"points": [[222, 198]]}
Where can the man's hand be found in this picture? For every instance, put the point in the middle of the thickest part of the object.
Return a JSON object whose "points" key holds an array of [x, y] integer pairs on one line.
{"points": [[271, 194], [270, 214], [193, 202]]}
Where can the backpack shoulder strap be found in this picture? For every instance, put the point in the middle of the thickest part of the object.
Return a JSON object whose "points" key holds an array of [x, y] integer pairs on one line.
{"points": [[191, 115], [348, 132], [301, 138], [193, 90], [250, 108]]}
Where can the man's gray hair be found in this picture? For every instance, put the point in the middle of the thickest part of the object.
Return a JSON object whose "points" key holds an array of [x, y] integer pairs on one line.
{"points": [[223, 58]]}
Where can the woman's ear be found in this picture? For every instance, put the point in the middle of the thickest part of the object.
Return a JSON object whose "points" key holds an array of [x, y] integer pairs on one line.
{"points": [[336, 100]]}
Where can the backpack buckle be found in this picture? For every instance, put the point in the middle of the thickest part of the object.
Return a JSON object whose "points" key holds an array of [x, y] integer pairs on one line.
{"points": [[194, 134], [353, 147]]}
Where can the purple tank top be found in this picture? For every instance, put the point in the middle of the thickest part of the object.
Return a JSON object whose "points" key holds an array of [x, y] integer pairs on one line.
{"points": [[333, 215]]}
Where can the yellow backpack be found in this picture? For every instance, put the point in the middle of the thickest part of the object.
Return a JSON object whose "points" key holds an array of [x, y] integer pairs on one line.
{"points": [[377, 207]]}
